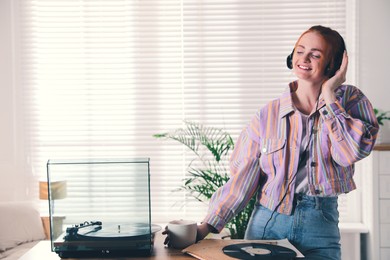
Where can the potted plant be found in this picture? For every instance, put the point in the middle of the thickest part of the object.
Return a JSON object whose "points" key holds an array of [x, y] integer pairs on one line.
{"points": [[384, 132], [381, 116], [206, 172]]}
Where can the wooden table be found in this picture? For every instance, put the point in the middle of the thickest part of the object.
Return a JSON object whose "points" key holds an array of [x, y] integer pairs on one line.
{"points": [[43, 251]]}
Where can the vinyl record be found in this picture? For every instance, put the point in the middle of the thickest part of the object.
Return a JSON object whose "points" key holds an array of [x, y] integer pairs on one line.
{"points": [[258, 251], [118, 231]]}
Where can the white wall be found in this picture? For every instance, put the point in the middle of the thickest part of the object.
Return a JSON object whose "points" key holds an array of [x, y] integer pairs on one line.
{"points": [[374, 58], [14, 178], [374, 51]]}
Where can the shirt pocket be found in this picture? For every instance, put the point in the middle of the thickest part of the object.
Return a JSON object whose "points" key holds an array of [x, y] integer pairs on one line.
{"points": [[272, 154]]}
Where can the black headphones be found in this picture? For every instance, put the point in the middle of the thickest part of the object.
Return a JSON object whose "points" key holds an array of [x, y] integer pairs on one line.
{"points": [[289, 60], [328, 71]]}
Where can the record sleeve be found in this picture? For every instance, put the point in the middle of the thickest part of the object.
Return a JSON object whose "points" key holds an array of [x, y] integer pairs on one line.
{"points": [[212, 249]]}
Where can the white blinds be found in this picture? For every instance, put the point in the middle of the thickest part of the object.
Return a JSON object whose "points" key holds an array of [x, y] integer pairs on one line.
{"points": [[99, 78]]}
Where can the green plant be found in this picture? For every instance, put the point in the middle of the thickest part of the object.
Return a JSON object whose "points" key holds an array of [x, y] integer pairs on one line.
{"points": [[381, 116], [206, 172]]}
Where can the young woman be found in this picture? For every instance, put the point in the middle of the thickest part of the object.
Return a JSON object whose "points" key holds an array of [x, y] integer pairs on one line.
{"points": [[298, 153]]}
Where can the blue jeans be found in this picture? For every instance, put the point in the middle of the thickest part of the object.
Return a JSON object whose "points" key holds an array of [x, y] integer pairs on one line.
{"points": [[312, 227]]}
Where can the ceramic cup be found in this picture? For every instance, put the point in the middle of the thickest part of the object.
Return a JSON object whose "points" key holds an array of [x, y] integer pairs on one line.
{"points": [[182, 233]]}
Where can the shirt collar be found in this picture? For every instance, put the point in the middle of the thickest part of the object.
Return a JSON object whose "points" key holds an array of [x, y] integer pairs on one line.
{"points": [[286, 104]]}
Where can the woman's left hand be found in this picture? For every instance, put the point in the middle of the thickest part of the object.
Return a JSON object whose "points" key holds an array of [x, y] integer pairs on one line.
{"points": [[330, 85]]}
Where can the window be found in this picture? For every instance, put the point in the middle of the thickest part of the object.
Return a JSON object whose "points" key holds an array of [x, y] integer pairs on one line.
{"points": [[99, 78]]}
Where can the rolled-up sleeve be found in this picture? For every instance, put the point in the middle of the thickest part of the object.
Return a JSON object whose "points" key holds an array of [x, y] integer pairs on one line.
{"points": [[232, 197], [352, 128]]}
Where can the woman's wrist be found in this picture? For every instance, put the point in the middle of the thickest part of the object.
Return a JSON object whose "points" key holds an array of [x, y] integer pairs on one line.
{"points": [[329, 96], [203, 230]]}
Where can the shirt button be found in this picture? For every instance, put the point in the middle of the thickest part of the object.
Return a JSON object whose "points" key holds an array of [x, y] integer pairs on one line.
{"points": [[325, 112], [313, 164], [264, 150]]}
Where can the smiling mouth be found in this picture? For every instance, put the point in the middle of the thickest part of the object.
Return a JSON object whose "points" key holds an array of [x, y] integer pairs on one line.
{"points": [[304, 67]]}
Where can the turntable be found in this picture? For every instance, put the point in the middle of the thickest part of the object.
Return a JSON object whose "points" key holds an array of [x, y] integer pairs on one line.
{"points": [[95, 239], [106, 211]]}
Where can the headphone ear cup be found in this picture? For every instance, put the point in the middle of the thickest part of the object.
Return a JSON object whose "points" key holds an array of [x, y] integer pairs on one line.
{"points": [[327, 71], [336, 67], [331, 69], [289, 60]]}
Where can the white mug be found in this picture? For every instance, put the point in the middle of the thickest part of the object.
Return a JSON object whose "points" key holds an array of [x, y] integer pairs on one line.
{"points": [[182, 233]]}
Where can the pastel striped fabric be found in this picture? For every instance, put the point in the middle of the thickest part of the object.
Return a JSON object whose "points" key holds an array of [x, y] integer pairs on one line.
{"points": [[266, 155]]}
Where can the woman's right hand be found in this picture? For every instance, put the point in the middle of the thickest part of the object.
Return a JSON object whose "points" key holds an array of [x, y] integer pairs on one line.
{"points": [[202, 231]]}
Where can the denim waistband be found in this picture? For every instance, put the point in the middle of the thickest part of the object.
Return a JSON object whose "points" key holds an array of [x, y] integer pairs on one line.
{"points": [[316, 201]]}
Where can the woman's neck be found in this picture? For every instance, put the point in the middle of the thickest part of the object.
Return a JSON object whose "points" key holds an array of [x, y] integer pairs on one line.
{"points": [[306, 96]]}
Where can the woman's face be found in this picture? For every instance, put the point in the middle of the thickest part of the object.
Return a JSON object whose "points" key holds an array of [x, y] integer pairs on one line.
{"points": [[310, 58]]}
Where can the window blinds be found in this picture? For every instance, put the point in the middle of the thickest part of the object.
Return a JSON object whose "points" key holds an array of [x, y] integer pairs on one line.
{"points": [[99, 78]]}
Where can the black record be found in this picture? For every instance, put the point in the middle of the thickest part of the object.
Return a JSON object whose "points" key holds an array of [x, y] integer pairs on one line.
{"points": [[258, 251], [117, 231]]}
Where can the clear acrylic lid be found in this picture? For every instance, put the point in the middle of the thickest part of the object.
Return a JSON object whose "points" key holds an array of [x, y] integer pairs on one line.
{"points": [[115, 192]]}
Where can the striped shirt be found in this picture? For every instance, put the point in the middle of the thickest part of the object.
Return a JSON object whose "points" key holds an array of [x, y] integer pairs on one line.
{"points": [[266, 155]]}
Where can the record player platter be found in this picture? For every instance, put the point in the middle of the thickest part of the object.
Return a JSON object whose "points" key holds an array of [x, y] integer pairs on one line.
{"points": [[121, 230], [116, 231]]}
